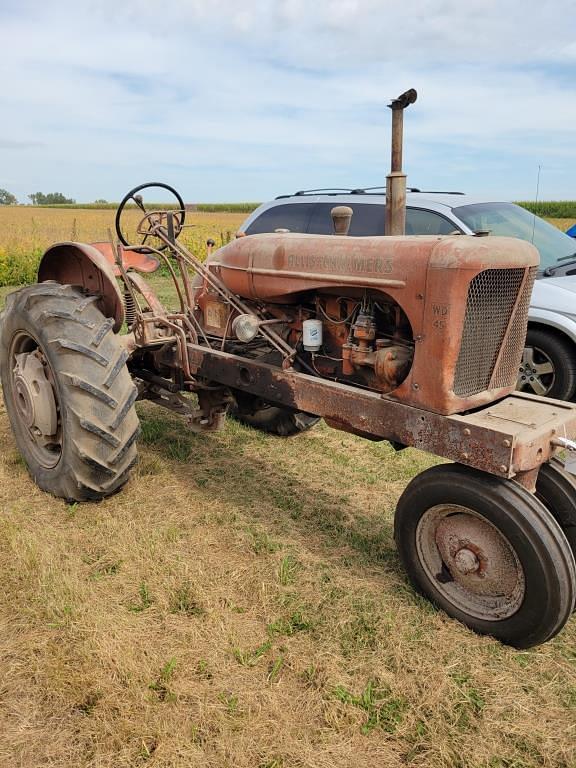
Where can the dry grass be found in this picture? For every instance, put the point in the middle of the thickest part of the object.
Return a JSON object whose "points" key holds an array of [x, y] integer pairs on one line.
{"points": [[26, 227], [241, 605], [563, 224], [25, 233]]}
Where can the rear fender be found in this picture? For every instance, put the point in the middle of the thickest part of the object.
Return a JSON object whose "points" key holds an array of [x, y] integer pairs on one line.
{"points": [[84, 265]]}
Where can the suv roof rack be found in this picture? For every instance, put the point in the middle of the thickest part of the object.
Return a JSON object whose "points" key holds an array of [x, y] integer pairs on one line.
{"points": [[326, 191], [437, 192], [408, 189], [360, 191], [367, 190]]}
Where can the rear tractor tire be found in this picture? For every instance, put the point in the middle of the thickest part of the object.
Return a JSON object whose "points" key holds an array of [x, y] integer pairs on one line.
{"points": [[68, 392], [272, 419], [487, 552]]}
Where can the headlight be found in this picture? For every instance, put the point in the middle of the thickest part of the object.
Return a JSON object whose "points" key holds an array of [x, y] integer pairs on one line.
{"points": [[245, 327]]}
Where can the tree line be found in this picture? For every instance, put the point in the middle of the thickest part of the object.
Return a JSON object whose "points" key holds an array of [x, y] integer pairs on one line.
{"points": [[36, 198]]}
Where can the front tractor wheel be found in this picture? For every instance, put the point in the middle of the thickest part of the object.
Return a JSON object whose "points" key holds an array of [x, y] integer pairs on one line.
{"points": [[488, 553], [68, 392], [556, 489]]}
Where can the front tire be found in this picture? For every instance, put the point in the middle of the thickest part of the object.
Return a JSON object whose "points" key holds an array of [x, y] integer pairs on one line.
{"points": [[488, 553], [68, 392]]}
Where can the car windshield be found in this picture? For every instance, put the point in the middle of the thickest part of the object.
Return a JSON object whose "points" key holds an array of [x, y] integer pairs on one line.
{"points": [[512, 221]]}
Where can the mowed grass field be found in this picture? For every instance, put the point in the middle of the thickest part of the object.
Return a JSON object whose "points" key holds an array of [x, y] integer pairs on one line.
{"points": [[240, 604]]}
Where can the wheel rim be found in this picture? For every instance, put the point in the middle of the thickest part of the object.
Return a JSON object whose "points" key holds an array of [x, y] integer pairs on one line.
{"points": [[470, 562], [537, 372], [35, 399]]}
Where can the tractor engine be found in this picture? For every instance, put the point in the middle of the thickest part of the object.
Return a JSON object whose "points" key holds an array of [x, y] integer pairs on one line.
{"points": [[366, 340], [435, 322], [360, 338]]}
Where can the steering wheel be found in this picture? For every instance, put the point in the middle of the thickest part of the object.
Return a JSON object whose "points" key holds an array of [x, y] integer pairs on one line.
{"points": [[151, 217]]}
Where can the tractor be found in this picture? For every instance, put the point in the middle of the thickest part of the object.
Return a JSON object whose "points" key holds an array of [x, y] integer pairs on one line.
{"points": [[414, 340]]}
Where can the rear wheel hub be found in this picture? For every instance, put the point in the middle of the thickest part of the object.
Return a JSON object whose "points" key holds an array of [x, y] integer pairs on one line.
{"points": [[35, 398], [34, 395]]}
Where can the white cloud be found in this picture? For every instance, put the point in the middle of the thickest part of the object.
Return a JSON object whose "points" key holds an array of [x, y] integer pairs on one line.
{"points": [[246, 100], [418, 30]]}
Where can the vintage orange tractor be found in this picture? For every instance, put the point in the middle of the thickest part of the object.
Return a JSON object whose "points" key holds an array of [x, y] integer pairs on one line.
{"points": [[415, 340]]}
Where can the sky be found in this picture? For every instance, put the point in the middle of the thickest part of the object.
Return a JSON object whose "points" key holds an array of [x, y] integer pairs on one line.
{"points": [[234, 101]]}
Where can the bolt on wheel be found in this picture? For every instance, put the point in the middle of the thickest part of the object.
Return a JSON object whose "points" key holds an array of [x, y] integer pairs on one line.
{"points": [[473, 564], [488, 553], [35, 399]]}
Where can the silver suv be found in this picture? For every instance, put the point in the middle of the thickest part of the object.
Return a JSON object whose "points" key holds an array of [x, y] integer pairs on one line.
{"points": [[549, 363]]}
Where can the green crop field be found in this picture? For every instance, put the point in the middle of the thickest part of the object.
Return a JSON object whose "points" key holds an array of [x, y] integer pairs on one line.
{"points": [[240, 604], [557, 209]]}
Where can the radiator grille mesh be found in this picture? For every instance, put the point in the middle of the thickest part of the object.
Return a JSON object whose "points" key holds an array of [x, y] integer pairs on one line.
{"points": [[491, 298], [507, 371]]}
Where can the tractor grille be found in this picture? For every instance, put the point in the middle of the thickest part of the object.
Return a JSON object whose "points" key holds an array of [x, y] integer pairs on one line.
{"points": [[507, 371], [491, 298]]}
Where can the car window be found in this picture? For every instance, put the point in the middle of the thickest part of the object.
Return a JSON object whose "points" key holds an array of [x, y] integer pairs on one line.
{"points": [[419, 222], [293, 217], [512, 221], [367, 219]]}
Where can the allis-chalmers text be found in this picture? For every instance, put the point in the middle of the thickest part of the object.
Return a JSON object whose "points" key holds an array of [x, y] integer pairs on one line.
{"points": [[340, 264]]}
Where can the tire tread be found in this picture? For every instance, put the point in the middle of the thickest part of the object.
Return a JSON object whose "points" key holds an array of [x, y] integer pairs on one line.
{"points": [[96, 393]]}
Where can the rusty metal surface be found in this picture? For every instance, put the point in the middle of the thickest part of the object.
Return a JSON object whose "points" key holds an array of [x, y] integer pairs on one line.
{"points": [[481, 573], [143, 262], [493, 298], [473, 548], [428, 277], [142, 286], [84, 265], [341, 218], [34, 395], [509, 437], [529, 422], [395, 223]]}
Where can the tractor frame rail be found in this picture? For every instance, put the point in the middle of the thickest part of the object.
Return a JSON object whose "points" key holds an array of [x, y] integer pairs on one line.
{"points": [[511, 438]]}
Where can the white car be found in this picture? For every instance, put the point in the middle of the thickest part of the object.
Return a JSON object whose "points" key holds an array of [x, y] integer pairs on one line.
{"points": [[549, 363]]}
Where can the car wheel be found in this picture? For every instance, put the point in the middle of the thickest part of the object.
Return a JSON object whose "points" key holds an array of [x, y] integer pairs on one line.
{"points": [[548, 366]]}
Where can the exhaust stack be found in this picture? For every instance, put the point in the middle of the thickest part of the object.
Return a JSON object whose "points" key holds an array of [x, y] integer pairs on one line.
{"points": [[396, 179]]}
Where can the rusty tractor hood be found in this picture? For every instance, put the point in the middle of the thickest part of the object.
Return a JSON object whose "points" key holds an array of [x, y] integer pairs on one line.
{"points": [[279, 266]]}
